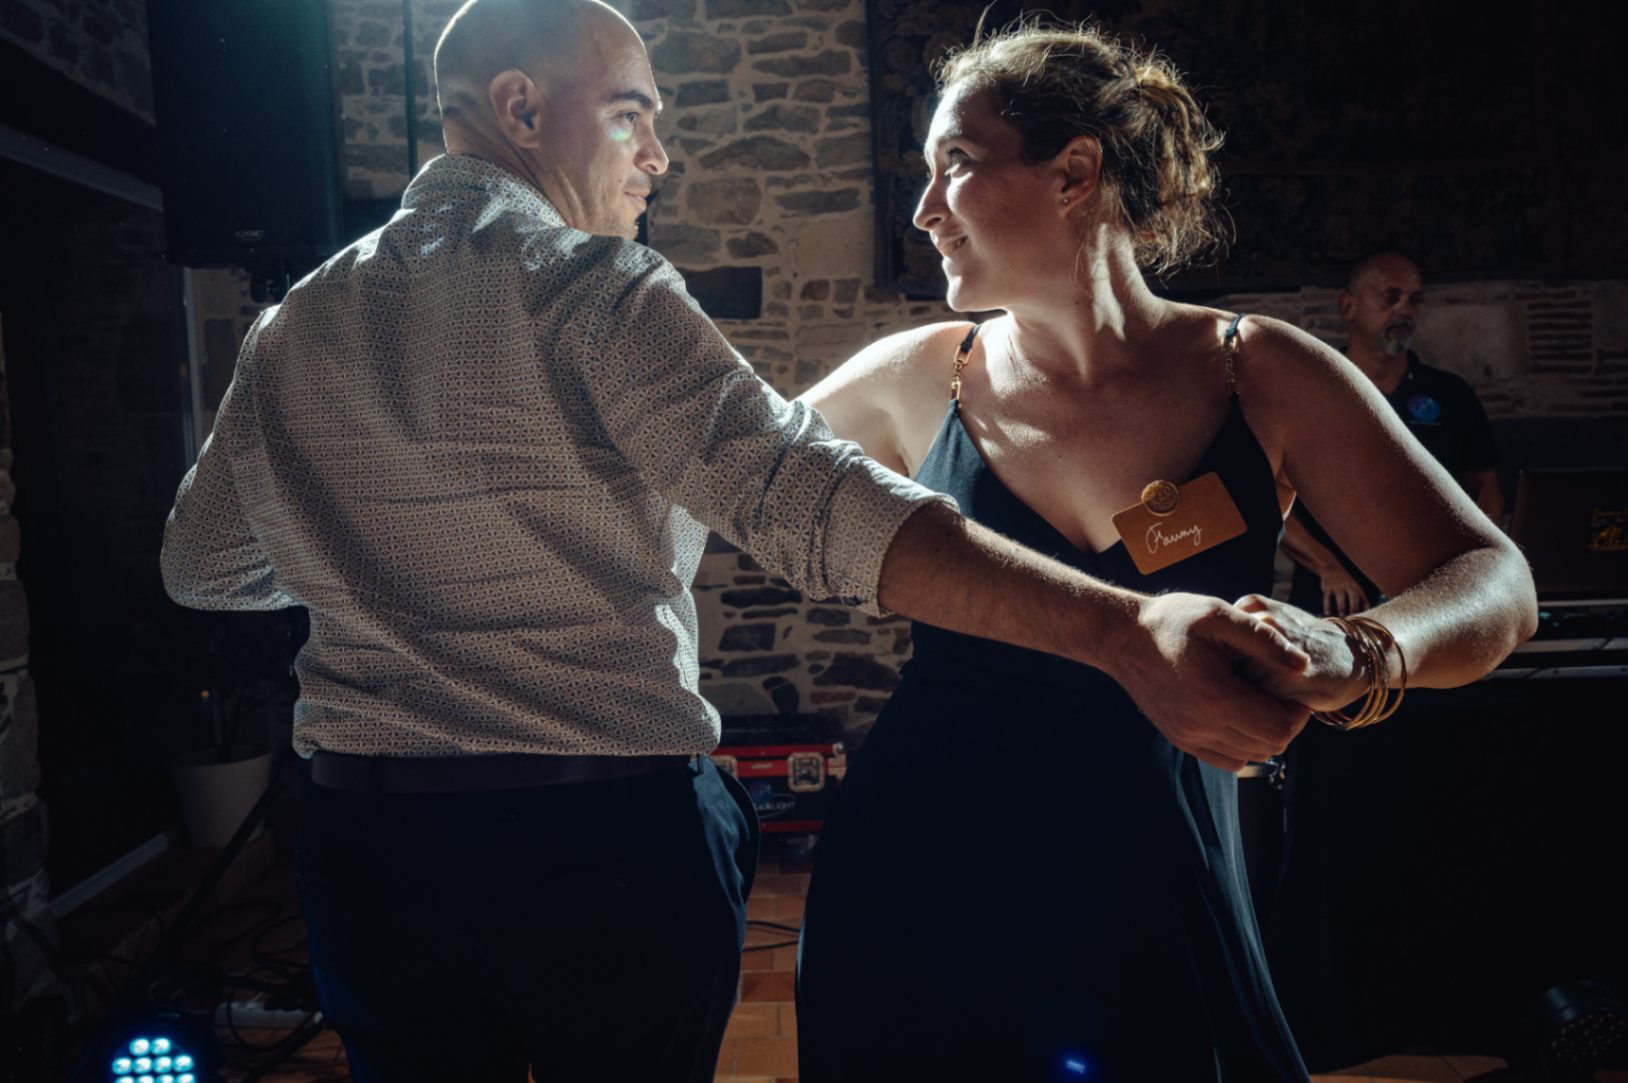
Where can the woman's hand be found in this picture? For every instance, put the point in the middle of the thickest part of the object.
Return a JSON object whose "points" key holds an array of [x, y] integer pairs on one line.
{"points": [[1188, 661], [1332, 679]]}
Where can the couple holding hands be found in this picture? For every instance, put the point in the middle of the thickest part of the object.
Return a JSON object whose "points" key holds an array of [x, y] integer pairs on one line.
{"points": [[484, 445]]}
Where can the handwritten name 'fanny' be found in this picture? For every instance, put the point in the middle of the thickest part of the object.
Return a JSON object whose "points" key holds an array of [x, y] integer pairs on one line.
{"points": [[1157, 539]]}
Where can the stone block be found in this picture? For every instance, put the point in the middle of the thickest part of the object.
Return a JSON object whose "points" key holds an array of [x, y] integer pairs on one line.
{"points": [[685, 244], [703, 92], [763, 92], [834, 202], [785, 118], [750, 245], [843, 150], [783, 42], [727, 293], [815, 290], [760, 666], [757, 152], [758, 636], [684, 51], [829, 62], [711, 120], [737, 9], [785, 694], [663, 9], [852, 636], [734, 202], [743, 599], [852, 34], [13, 621], [815, 90]]}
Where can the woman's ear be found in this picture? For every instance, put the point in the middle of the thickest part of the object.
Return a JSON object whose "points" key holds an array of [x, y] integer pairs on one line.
{"points": [[1079, 167]]}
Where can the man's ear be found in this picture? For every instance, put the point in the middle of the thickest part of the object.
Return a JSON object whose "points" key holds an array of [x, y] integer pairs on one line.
{"points": [[1080, 167], [517, 106], [1348, 306]]}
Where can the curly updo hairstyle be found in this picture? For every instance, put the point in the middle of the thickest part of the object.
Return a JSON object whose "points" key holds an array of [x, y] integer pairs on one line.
{"points": [[1053, 83]]}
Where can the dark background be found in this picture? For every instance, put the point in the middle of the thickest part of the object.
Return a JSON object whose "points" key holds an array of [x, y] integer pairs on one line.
{"points": [[1483, 138]]}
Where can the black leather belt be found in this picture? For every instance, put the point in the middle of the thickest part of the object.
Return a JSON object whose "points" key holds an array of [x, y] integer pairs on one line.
{"points": [[459, 774]]}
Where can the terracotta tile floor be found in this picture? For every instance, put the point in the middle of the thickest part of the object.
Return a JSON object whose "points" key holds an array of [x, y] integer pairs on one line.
{"points": [[760, 1045]]}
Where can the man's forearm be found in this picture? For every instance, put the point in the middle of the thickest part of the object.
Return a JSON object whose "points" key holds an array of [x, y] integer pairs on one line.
{"points": [[951, 572]]}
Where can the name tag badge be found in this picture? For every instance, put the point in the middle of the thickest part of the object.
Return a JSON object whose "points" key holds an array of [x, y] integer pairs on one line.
{"points": [[1174, 522]]}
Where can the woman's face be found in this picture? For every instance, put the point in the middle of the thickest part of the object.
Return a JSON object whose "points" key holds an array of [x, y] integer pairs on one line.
{"points": [[997, 222]]}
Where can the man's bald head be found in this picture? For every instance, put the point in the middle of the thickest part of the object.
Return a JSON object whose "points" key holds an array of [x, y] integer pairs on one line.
{"points": [[1379, 262], [560, 93], [488, 37]]}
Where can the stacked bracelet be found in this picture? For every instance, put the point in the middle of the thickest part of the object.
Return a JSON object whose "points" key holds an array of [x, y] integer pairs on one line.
{"points": [[1371, 643]]}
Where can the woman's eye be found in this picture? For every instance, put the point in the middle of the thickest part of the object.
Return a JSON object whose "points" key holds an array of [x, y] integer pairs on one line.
{"points": [[631, 118]]}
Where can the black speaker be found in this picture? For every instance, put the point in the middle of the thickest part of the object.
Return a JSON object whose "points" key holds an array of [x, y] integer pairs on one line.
{"points": [[244, 98]]}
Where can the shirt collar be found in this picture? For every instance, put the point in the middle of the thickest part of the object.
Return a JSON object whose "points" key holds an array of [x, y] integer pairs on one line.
{"points": [[449, 173]]}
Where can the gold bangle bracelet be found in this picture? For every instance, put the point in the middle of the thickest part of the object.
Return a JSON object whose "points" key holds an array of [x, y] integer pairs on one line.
{"points": [[1371, 644]]}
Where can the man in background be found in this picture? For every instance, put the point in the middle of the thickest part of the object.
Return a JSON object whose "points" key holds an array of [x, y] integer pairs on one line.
{"points": [[1381, 307]]}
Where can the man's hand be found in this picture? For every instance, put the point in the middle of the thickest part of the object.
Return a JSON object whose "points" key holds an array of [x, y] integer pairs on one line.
{"points": [[1342, 594], [1331, 680], [1184, 664]]}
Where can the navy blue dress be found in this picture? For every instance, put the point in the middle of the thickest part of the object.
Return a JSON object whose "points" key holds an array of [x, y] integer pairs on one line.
{"points": [[1023, 880]]}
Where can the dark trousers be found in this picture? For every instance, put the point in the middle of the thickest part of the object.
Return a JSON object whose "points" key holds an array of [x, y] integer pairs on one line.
{"points": [[586, 931]]}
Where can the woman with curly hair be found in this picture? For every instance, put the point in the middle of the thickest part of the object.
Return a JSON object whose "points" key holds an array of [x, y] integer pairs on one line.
{"points": [[1024, 880]]}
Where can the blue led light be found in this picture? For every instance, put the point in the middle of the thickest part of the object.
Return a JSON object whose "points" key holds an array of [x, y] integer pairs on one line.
{"points": [[1077, 1067], [161, 1045], [162, 1064], [144, 1064], [145, 1079], [185, 1079], [166, 1079], [121, 1065], [183, 1063], [140, 1046], [125, 1079]]}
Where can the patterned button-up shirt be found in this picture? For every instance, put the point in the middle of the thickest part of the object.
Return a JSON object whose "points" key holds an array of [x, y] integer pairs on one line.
{"points": [[476, 444]]}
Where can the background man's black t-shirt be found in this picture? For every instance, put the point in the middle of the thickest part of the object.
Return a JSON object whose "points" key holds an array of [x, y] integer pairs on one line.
{"points": [[1442, 412]]}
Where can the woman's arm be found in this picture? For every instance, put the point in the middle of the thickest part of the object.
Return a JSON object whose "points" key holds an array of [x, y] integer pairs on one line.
{"points": [[890, 397], [1460, 593]]}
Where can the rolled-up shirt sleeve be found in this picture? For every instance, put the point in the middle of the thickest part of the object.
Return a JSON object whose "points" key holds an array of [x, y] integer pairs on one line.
{"points": [[704, 430], [211, 557]]}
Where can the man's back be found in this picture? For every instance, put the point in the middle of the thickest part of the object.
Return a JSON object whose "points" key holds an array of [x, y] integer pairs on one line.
{"points": [[460, 443]]}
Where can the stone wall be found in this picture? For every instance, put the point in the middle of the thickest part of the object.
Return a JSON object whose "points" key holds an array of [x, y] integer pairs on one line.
{"points": [[26, 930], [100, 44]]}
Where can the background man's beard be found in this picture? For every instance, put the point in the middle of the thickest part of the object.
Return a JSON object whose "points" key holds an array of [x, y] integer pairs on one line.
{"points": [[1395, 341]]}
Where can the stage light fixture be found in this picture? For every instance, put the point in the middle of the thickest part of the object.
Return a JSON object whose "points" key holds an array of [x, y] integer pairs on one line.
{"points": [[1568, 1029], [160, 1048]]}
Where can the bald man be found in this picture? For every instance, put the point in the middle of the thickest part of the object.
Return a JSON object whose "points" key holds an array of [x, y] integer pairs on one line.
{"points": [[483, 445], [1381, 307]]}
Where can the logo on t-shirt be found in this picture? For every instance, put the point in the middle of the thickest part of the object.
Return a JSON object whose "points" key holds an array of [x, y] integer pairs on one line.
{"points": [[1424, 409]]}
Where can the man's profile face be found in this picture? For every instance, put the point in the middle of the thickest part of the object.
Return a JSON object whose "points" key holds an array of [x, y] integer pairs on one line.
{"points": [[598, 130], [1384, 306]]}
